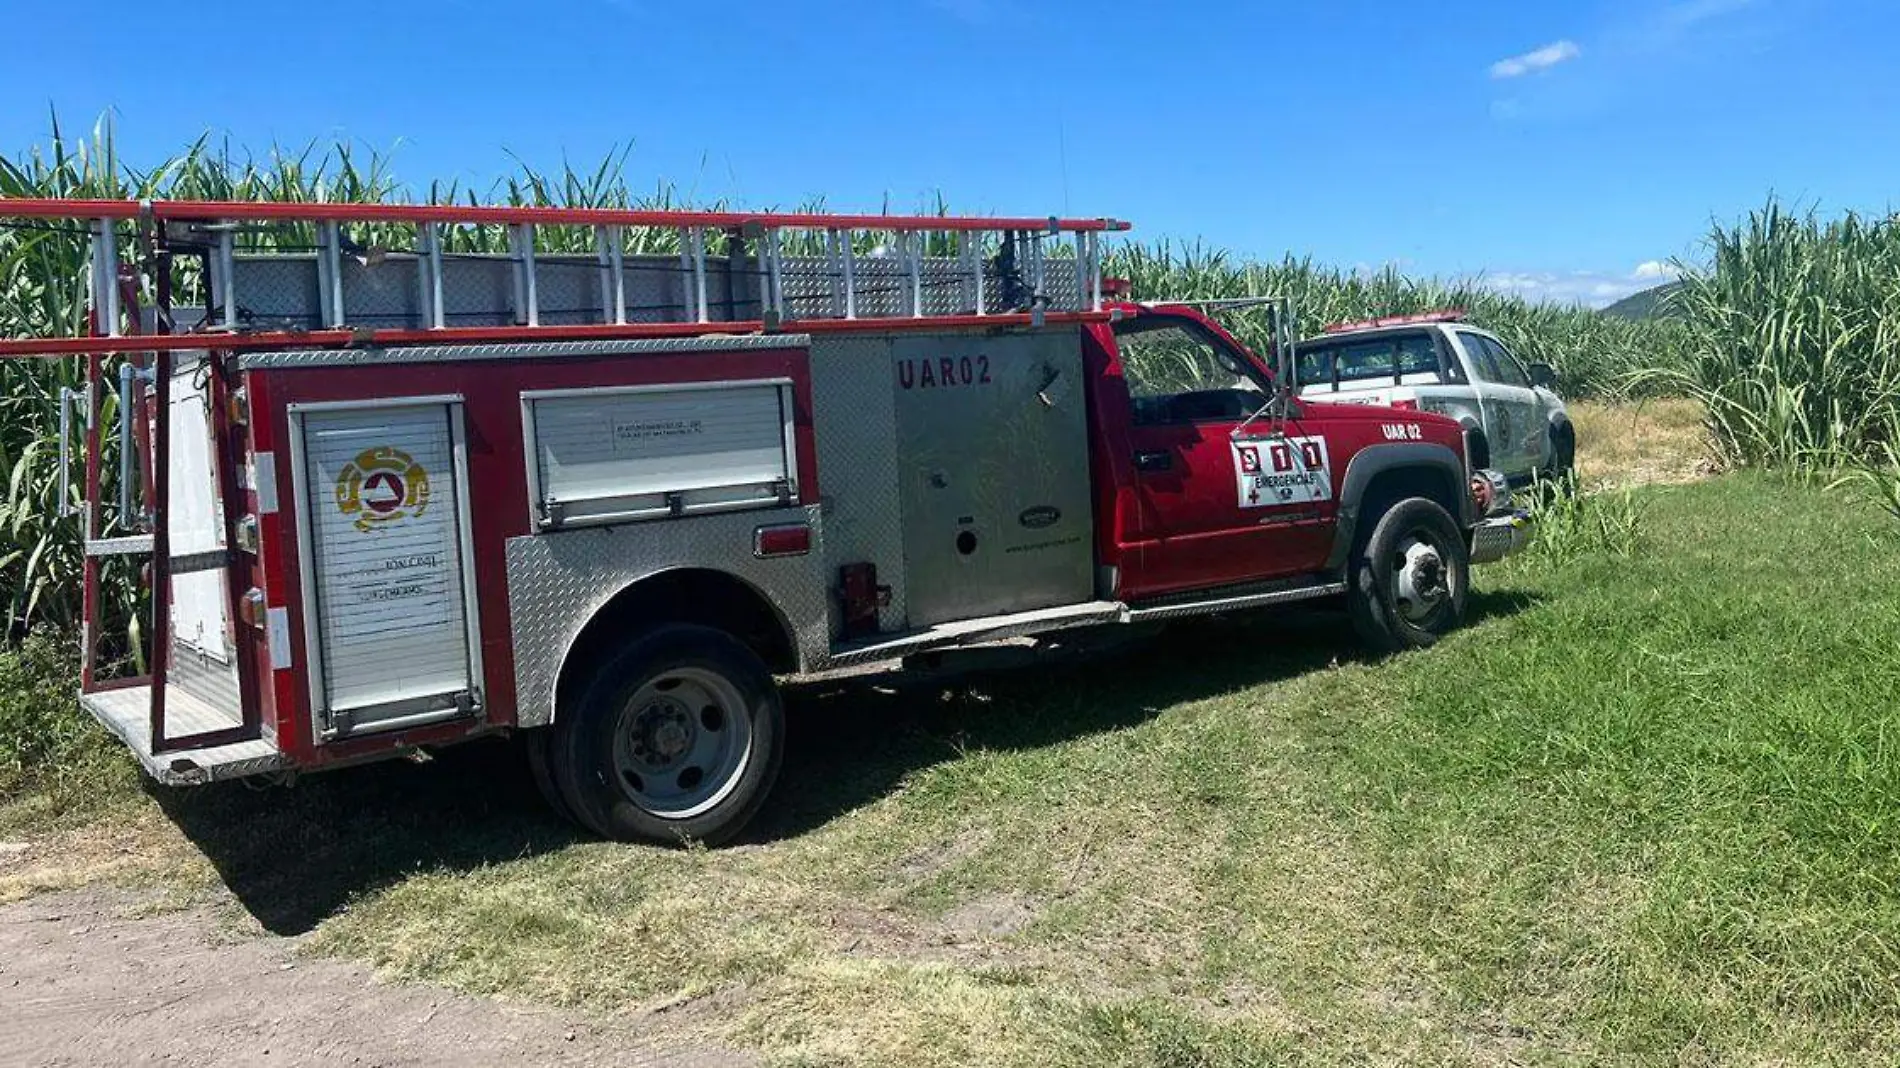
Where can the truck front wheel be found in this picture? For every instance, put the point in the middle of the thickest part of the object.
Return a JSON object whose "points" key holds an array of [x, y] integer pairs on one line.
{"points": [[1407, 581], [677, 738]]}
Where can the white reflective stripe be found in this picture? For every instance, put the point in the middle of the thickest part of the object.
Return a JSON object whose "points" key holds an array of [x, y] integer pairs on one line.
{"points": [[277, 624], [264, 480], [383, 508]]}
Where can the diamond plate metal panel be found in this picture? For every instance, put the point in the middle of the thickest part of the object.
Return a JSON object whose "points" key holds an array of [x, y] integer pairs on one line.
{"points": [[855, 413], [882, 285], [276, 289], [524, 351], [557, 582], [383, 293], [478, 289], [568, 290], [653, 290]]}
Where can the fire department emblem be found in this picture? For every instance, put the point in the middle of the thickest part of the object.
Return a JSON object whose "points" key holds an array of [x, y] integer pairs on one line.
{"points": [[382, 485]]}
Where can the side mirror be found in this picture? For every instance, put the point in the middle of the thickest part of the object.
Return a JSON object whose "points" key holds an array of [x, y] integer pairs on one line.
{"points": [[1543, 375]]}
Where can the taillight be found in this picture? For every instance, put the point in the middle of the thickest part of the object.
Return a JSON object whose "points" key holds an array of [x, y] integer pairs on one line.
{"points": [[791, 539]]}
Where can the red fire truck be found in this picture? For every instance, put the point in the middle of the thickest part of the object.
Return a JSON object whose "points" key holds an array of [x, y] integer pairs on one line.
{"points": [[391, 493]]}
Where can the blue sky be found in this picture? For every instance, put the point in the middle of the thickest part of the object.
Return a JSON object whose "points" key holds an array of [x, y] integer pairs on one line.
{"points": [[1557, 148]]}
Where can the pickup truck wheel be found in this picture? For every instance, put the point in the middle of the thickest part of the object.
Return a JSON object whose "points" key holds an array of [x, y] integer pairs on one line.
{"points": [[1408, 580], [678, 738], [1563, 457]]}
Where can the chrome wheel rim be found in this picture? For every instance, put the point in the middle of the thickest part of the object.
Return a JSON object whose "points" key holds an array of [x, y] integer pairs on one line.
{"points": [[681, 742], [1421, 580]]}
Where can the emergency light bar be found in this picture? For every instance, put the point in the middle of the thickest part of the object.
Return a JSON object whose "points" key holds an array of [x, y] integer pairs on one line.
{"points": [[1447, 315]]}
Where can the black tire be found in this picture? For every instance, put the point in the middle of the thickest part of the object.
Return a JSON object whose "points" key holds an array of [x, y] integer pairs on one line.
{"points": [[1563, 454], [1407, 538], [535, 743], [1557, 479], [677, 738]]}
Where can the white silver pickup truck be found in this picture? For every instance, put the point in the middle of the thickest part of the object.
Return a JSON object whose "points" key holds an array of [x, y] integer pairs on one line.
{"points": [[1437, 362]]}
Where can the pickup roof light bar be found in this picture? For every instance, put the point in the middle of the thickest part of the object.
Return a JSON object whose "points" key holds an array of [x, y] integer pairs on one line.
{"points": [[1447, 315]]}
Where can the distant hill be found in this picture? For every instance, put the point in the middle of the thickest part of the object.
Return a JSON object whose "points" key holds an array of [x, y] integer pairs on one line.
{"points": [[1645, 305]]}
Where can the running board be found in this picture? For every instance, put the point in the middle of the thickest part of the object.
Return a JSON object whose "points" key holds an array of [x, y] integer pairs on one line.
{"points": [[1213, 602], [1041, 620], [984, 629]]}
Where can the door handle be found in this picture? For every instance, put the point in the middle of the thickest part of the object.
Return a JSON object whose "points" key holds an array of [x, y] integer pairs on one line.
{"points": [[1153, 461]]}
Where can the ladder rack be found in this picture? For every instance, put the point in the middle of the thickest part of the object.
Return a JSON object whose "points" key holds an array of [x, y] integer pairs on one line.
{"points": [[276, 275]]}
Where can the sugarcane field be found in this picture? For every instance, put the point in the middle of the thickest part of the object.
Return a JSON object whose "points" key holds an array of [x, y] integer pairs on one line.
{"points": [[695, 543]]}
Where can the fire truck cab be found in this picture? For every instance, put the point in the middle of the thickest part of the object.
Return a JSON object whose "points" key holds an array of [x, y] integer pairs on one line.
{"points": [[394, 496]]}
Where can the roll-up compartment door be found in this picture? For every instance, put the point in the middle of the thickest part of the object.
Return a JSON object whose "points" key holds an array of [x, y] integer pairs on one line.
{"points": [[642, 452], [390, 616]]}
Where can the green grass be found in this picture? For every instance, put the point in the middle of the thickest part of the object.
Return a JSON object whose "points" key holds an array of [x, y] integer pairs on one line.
{"points": [[1645, 810], [57, 767]]}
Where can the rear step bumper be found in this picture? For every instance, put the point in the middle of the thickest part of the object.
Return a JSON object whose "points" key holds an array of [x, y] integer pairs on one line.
{"points": [[1498, 537], [127, 713]]}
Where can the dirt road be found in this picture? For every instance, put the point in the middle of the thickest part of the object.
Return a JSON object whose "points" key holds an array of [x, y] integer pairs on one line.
{"points": [[86, 978]]}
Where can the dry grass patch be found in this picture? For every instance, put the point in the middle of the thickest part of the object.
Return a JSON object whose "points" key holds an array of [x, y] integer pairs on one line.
{"points": [[134, 845], [1664, 440]]}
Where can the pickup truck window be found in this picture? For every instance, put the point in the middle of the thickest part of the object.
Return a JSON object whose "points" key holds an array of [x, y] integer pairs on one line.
{"points": [[1417, 355], [1493, 363], [1177, 374], [1374, 359]]}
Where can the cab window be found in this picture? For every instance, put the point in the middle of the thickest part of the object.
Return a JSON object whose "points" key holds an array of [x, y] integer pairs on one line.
{"points": [[1510, 372], [1418, 355], [1178, 374], [1491, 363]]}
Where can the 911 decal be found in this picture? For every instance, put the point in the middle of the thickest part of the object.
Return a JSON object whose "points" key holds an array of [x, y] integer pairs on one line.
{"points": [[1282, 471]]}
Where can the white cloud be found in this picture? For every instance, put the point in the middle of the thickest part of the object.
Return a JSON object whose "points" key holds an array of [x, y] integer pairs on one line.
{"points": [[1595, 289], [1540, 59]]}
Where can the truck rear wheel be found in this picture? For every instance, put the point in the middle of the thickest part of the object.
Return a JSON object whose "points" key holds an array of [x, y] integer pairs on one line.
{"points": [[677, 738], [535, 744], [1407, 583]]}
